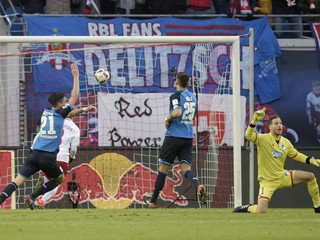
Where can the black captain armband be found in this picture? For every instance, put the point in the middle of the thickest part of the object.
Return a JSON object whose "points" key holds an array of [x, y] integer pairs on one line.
{"points": [[308, 160], [252, 125]]}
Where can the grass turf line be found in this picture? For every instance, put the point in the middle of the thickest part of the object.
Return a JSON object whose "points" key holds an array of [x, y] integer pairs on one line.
{"points": [[154, 224]]}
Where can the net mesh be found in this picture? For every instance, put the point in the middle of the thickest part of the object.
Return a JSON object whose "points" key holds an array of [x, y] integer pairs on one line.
{"points": [[117, 160]]}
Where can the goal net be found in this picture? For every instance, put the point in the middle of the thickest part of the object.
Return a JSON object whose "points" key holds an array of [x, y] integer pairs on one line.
{"points": [[117, 160]]}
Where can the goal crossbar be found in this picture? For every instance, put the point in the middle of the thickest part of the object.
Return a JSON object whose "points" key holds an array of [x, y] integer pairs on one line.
{"points": [[119, 39]]}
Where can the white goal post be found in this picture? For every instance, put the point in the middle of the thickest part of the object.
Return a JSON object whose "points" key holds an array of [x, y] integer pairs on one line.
{"points": [[233, 41]]}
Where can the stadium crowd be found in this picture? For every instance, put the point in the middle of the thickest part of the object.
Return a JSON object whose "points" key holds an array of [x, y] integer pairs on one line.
{"points": [[288, 18], [228, 7]]}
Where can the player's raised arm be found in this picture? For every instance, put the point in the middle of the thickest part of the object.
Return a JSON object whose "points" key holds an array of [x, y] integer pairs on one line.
{"points": [[75, 90], [77, 112], [257, 117]]}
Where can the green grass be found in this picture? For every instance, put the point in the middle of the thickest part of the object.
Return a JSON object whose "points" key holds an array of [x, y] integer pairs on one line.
{"points": [[154, 224]]}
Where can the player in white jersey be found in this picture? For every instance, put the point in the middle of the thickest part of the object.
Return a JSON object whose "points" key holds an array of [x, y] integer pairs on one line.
{"points": [[313, 107], [67, 153]]}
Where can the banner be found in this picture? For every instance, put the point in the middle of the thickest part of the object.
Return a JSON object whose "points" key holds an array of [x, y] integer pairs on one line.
{"points": [[7, 174], [138, 119], [51, 69], [132, 119], [315, 27]]}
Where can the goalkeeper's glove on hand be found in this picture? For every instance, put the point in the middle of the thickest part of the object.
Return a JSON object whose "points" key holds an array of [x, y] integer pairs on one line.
{"points": [[315, 162], [258, 116]]}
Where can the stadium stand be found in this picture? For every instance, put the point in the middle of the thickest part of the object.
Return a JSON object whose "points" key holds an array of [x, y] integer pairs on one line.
{"points": [[12, 12]]}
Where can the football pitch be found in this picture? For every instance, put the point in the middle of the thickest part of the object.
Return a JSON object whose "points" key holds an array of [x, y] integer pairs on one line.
{"points": [[154, 224]]}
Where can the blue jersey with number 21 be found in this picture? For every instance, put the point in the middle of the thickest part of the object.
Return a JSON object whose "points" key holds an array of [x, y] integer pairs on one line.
{"points": [[182, 126], [51, 129]]}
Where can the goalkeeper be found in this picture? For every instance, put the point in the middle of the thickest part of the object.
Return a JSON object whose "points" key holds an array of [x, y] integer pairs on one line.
{"points": [[273, 150]]}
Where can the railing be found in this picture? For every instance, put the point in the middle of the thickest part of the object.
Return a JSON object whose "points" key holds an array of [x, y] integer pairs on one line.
{"points": [[284, 26]]}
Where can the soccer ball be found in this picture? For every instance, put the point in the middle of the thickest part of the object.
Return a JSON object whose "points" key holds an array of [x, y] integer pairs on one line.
{"points": [[102, 76]]}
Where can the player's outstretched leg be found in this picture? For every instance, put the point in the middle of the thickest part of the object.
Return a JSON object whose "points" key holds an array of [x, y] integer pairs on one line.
{"points": [[242, 209], [202, 194]]}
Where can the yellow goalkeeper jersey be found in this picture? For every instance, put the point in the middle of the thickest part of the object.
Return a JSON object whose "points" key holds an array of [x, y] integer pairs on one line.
{"points": [[272, 154]]}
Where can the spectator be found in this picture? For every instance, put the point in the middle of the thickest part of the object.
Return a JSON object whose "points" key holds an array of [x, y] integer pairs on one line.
{"points": [[286, 27], [85, 7], [107, 7], [244, 7], [129, 6], [58, 7], [217, 4], [6, 4], [180, 6], [76, 7], [33, 6], [308, 7], [160, 6], [200, 7], [264, 7]]}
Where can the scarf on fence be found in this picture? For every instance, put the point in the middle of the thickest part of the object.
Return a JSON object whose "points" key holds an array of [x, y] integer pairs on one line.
{"points": [[244, 7], [312, 6]]}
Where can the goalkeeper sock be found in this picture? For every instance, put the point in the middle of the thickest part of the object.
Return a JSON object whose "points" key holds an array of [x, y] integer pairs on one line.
{"points": [[49, 194], [9, 189], [192, 178], [48, 186], [313, 190], [161, 178], [252, 209]]}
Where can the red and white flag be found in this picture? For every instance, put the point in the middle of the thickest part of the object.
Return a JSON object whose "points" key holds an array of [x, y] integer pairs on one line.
{"points": [[315, 27]]}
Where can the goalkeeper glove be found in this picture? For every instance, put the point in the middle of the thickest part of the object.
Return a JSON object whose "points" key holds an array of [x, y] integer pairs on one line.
{"points": [[258, 116], [315, 162]]}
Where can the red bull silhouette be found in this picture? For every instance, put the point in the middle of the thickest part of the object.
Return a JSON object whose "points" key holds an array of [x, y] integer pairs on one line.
{"points": [[90, 182], [138, 181]]}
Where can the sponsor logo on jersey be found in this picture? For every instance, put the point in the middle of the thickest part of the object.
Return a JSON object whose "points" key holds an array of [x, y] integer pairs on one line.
{"points": [[276, 154]]}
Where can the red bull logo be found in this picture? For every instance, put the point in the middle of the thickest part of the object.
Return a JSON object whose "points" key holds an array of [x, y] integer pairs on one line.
{"points": [[139, 181], [90, 182], [111, 180]]}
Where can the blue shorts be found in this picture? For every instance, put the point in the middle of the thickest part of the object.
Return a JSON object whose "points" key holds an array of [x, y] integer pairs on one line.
{"points": [[173, 147], [40, 160]]}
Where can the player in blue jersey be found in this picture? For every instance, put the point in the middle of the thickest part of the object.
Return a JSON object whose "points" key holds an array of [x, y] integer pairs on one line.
{"points": [[46, 147], [178, 140]]}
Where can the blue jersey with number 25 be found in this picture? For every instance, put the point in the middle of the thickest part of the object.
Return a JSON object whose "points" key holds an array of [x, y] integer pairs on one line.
{"points": [[182, 126], [51, 129]]}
